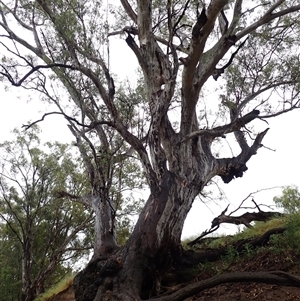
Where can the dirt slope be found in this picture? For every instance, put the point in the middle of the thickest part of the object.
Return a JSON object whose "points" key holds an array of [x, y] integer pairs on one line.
{"points": [[263, 261], [245, 292]]}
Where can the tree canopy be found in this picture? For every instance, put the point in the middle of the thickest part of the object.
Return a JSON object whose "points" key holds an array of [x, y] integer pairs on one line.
{"points": [[289, 200], [40, 236]]}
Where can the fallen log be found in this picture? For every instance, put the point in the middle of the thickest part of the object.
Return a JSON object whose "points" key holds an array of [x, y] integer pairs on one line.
{"points": [[244, 219]]}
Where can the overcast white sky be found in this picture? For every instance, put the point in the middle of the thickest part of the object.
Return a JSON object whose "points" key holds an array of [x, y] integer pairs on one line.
{"points": [[266, 169]]}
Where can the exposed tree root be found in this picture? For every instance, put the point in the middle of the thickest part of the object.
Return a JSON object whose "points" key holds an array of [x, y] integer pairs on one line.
{"points": [[215, 254], [275, 277]]}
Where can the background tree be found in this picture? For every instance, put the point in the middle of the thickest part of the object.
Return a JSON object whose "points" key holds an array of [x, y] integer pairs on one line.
{"points": [[11, 268], [250, 49], [41, 236], [289, 199]]}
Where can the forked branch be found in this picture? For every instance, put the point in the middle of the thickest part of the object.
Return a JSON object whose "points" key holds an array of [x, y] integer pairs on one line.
{"points": [[244, 219], [220, 131], [218, 71]]}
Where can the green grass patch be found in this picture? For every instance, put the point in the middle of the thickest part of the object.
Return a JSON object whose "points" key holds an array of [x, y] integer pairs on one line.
{"points": [[290, 240], [257, 230], [62, 285], [285, 246]]}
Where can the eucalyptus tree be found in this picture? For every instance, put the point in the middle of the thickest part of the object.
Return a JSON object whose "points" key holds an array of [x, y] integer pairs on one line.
{"points": [[10, 265], [245, 51], [289, 199], [40, 234]]}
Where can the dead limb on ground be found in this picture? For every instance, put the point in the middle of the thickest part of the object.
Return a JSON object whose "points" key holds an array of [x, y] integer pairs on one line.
{"points": [[244, 219]]}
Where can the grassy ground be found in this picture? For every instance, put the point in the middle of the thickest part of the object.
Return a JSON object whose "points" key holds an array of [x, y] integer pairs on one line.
{"points": [[55, 290], [281, 252]]}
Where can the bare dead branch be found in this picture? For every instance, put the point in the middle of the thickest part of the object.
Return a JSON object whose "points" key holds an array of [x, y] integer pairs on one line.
{"points": [[246, 218], [250, 195], [218, 71], [203, 234]]}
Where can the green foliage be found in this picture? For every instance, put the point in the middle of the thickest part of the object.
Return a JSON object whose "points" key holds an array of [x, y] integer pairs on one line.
{"points": [[58, 229], [248, 250], [285, 246], [231, 253], [293, 231], [289, 199], [10, 265], [269, 58], [39, 232], [290, 240]]}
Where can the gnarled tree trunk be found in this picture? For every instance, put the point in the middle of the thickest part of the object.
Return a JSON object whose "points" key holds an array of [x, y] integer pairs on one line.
{"points": [[154, 247]]}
